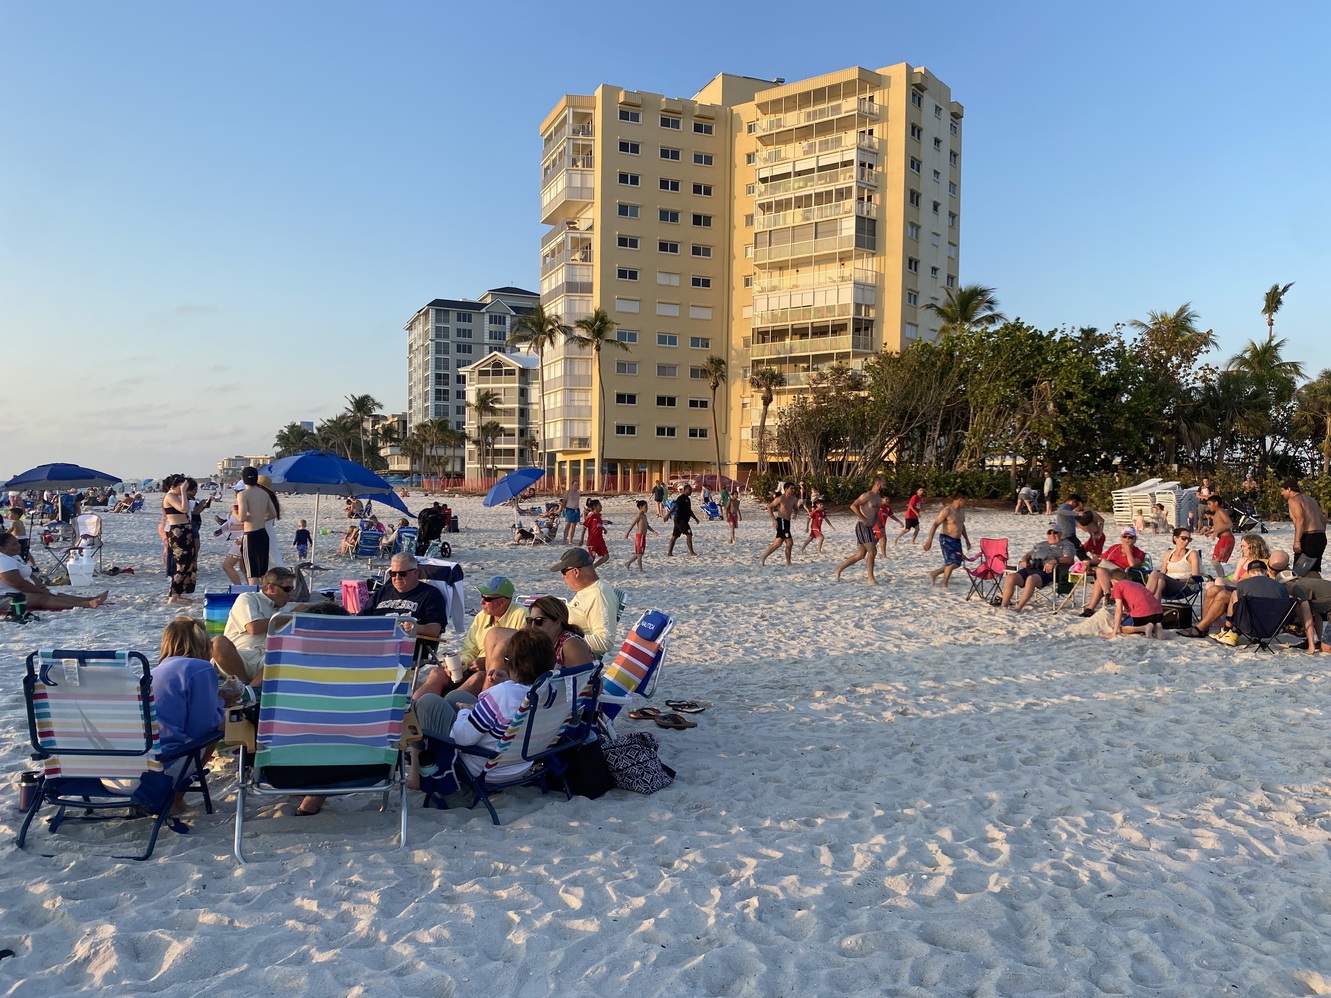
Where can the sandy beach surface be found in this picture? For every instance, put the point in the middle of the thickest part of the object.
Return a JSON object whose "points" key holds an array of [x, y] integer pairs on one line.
{"points": [[896, 792]]}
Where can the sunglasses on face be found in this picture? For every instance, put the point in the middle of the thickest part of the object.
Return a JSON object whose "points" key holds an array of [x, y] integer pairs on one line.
{"points": [[492, 598], [565, 571], [286, 589], [404, 572], [536, 621]]}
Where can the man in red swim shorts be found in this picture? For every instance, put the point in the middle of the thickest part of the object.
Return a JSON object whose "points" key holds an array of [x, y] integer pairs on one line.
{"points": [[1222, 529]]}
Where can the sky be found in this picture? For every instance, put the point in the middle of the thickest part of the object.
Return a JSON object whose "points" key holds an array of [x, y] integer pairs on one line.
{"points": [[216, 218]]}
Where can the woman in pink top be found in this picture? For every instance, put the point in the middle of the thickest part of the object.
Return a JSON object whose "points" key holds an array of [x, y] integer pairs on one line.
{"points": [[1146, 612], [1114, 564]]}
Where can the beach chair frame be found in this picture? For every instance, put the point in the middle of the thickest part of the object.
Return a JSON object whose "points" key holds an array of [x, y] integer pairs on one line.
{"points": [[987, 579], [105, 730], [1262, 619], [636, 670]]}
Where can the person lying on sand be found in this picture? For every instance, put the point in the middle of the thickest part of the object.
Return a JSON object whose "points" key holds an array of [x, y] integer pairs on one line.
{"points": [[16, 574]]}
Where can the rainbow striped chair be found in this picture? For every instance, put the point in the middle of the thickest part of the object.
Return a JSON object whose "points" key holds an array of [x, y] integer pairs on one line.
{"points": [[330, 715], [91, 720], [217, 607], [637, 667]]}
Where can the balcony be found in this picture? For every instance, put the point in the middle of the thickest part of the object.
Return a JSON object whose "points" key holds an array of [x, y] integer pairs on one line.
{"points": [[566, 195], [815, 147], [825, 112], [810, 181], [784, 282], [581, 127], [811, 313], [798, 216], [574, 252], [807, 248]]}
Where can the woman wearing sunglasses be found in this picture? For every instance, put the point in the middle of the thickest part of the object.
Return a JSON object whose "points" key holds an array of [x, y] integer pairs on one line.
{"points": [[1180, 569], [549, 616]]}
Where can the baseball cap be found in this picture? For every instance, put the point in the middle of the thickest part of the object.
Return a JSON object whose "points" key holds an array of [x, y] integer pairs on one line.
{"points": [[573, 558], [1128, 532], [497, 586]]}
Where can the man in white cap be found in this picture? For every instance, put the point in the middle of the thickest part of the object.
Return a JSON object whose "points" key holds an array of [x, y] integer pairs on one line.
{"points": [[595, 605]]}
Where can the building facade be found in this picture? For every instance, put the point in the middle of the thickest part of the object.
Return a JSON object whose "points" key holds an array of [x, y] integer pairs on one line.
{"points": [[503, 437], [773, 224]]}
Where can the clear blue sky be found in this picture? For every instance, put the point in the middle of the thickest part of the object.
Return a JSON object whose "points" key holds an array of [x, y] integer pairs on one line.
{"points": [[216, 218]]}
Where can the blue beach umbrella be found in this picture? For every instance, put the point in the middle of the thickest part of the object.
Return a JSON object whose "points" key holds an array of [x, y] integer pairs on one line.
{"points": [[60, 476], [512, 485]]}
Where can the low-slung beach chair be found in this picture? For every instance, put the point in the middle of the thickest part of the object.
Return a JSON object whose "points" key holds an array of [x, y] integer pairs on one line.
{"points": [[404, 541], [367, 545], [91, 720], [987, 577], [637, 668], [217, 607], [1260, 619], [558, 715], [330, 714]]}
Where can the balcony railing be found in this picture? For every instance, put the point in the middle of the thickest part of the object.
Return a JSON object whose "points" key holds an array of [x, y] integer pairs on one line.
{"points": [[552, 138], [573, 254], [816, 147], [813, 345], [798, 216], [808, 247], [822, 178], [824, 112], [566, 194], [812, 313], [585, 161], [786, 282]]}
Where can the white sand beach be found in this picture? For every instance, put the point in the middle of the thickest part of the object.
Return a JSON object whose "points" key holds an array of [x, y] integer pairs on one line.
{"points": [[895, 792]]}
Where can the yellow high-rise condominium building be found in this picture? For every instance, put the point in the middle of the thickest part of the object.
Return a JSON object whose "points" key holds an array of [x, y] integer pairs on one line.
{"points": [[784, 225]]}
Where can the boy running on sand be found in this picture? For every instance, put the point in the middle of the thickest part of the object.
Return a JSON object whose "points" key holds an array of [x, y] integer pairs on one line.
{"points": [[912, 516], [732, 515], [884, 514], [302, 541], [593, 534], [817, 517], [640, 525]]}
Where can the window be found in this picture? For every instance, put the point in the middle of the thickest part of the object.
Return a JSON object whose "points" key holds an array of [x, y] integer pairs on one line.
{"points": [[461, 410], [667, 370], [951, 219], [626, 430], [703, 128], [915, 99], [938, 111], [916, 132], [632, 148], [496, 320], [748, 220], [665, 431], [702, 221], [702, 190], [951, 280], [953, 127], [667, 340], [952, 189], [912, 230], [668, 153], [670, 308], [912, 331], [460, 394], [750, 158], [750, 127], [699, 403], [463, 317], [748, 281], [630, 179], [626, 273], [626, 115], [626, 398], [914, 166], [665, 401], [912, 264], [912, 298], [627, 211], [701, 251], [700, 282], [626, 335], [669, 185], [668, 279], [666, 246], [702, 159], [695, 373], [631, 305], [951, 251], [938, 144], [667, 215], [626, 367], [460, 334], [697, 433], [626, 242], [463, 347], [952, 157], [750, 190], [915, 198], [700, 343], [667, 121], [933, 272], [937, 176], [937, 205]]}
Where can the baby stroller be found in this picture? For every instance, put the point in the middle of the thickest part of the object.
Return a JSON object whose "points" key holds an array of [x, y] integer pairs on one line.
{"points": [[712, 510], [1244, 514]]}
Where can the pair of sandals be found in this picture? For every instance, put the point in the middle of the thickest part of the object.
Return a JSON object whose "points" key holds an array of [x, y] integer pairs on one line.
{"points": [[675, 719]]}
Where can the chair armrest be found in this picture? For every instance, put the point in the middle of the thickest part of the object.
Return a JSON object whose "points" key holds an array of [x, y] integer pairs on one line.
{"points": [[411, 729], [198, 745], [240, 729], [484, 753]]}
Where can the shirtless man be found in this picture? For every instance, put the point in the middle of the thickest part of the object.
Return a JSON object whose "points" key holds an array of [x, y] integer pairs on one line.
{"points": [[1309, 527], [254, 512], [782, 510], [952, 518], [865, 509], [1222, 529], [570, 508]]}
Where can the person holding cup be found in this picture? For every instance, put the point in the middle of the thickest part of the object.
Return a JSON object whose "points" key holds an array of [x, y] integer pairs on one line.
{"points": [[499, 618]]}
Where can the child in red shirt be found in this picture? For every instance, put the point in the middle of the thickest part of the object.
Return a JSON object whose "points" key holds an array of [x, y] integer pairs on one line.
{"points": [[593, 533], [817, 517], [1146, 612]]}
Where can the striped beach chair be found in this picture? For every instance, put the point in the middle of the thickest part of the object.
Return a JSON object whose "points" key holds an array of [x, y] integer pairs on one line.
{"points": [[330, 714], [91, 720], [217, 607], [637, 667]]}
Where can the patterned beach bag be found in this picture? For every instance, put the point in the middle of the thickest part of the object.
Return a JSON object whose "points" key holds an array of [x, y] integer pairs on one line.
{"points": [[635, 764]]}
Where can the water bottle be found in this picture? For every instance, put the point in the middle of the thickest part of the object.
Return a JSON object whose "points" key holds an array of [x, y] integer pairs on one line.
{"points": [[27, 790]]}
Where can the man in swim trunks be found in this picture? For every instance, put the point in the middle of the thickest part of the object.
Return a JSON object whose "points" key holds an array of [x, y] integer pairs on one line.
{"points": [[255, 510], [1309, 527], [1222, 529], [683, 514], [865, 509], [912, 516], [570, 508], [782, 511], [952, 518]]}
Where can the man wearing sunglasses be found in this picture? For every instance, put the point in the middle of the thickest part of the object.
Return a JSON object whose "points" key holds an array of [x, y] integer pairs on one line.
{"points": [[595, 605], [238, 650], [410, 595], [497, 610]]}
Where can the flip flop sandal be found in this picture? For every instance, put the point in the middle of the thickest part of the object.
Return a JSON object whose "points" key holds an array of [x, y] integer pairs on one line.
{"points": [[644, 713], [688, 706], [675, 721]]}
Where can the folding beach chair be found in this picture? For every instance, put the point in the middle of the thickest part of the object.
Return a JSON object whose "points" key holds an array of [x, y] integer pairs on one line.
{"points": [[987, 577], [1260, 619], [217, 607], [404, 541], [330, 716], [367, 545], [88, 536], [91, 720], [637, 668], [558, 715]]}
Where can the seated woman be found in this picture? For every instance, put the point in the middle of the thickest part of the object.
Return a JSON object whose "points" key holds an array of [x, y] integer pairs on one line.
{"points": [[1215, 600], [390, 536], [186, 696], [1180, 569], [1114, 565], [16, 575], [549, 616], [350, 541], [527, 655]]}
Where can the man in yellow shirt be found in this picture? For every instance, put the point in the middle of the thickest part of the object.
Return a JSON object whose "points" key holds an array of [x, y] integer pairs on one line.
{"points": [[497, 611]]}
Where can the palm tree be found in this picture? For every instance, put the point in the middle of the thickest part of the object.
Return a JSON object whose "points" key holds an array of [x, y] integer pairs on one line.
{"points": [[764, 381], [971, 306], [1275, 297], [1315, 411], [539, 330], [485, 404], [361, 408], [294, 438], [486, 435], [338, 434], [596, 332], [714, 370], [1273, 381]]}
